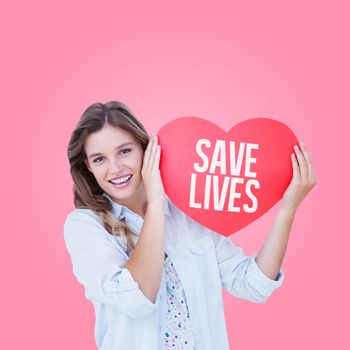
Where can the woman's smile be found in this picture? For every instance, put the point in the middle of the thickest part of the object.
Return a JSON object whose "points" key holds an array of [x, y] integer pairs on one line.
{"points": [[122, 181]]}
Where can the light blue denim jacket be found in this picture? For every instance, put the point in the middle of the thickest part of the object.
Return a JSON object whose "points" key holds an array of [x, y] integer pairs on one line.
{"points": [[204, 260]]}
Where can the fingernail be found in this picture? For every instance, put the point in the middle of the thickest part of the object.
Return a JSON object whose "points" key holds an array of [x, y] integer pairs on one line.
{"points": [[302, 144]]}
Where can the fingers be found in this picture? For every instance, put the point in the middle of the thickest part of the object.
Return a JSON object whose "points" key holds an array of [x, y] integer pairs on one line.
{"points": [[155, 151], [295, 165], [307, 175], [303, 167], [311, 172], [157, 158], [148, 153], [151, 153]]}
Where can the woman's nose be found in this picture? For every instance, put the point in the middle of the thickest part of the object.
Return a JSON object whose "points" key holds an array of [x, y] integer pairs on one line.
{"points": [[115, 166]]}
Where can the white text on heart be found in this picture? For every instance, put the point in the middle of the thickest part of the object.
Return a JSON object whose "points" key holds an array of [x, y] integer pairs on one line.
{"points": [[218, 161]]}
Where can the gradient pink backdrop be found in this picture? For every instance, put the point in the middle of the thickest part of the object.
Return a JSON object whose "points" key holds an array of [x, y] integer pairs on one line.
{"points": [[224, 61]]}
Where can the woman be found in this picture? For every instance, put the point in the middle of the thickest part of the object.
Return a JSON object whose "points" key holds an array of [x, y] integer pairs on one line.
{"points": [[154, 275]]}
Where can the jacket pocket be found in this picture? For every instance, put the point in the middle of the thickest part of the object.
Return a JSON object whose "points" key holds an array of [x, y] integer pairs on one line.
{"points": [[204, 257], [201, 245]]}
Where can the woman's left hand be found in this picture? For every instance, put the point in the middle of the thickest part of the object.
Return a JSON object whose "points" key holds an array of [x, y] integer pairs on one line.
{"points": [[303, 179]]}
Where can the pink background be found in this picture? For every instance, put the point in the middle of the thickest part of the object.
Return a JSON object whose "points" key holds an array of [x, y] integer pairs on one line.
{"points": [[224, 61]]}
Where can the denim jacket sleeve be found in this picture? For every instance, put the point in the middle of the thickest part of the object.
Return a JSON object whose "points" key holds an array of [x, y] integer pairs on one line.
{"points": [[99, 266], [240, 274]]}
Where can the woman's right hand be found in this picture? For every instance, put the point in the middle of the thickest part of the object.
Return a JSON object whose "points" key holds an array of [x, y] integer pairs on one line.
{"points": [[151, 174]]}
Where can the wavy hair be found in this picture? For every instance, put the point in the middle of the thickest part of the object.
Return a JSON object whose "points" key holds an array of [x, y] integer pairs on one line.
{"points": [[87, 193]]}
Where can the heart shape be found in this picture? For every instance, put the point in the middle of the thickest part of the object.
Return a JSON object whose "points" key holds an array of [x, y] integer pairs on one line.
{"points": [[225, 180]]}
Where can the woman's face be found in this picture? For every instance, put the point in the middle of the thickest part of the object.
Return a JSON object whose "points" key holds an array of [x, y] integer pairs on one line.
{"points": [[114, 153]]}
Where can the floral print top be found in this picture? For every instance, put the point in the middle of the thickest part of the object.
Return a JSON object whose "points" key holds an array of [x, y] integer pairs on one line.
{"points": [[178, 331]]}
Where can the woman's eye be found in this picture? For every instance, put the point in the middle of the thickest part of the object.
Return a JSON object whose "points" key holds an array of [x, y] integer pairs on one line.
{"points": [[126, 150], [96, 160], [123, 151]]}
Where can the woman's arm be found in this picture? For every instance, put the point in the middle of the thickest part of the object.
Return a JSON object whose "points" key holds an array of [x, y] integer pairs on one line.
{"points": [[147, 259], [271, 255]]}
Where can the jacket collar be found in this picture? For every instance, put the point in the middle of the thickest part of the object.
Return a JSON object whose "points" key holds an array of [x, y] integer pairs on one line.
{"points": [[121, 211]]}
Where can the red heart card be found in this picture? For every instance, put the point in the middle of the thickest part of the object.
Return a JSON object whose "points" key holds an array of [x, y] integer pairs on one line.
{"points": [[225, 180]]}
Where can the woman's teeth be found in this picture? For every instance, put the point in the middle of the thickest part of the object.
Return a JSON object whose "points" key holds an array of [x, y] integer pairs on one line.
{"points": [[121, 180]]}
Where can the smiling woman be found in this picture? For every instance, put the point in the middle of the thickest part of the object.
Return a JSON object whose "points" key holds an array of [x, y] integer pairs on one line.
{"points": [[97, 155], [117, 168], [154, 275]]}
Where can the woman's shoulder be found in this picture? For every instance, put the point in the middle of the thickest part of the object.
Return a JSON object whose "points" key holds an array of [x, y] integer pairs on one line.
{"points": [[82, 217], [82, 213], [83, 226]]}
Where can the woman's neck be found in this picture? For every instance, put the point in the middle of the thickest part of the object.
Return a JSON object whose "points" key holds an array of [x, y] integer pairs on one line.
{"points": [[138, 204]]}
